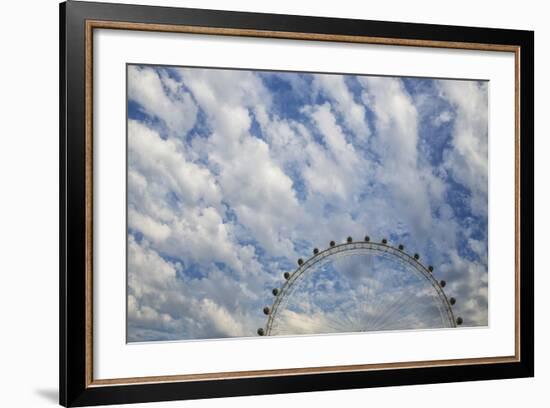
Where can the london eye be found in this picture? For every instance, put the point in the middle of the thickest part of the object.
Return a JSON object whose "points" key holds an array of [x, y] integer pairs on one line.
{"points": [[359, 286]]}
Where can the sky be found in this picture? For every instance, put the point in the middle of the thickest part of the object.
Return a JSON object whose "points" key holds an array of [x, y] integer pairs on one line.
{"points": [[235, 174]]}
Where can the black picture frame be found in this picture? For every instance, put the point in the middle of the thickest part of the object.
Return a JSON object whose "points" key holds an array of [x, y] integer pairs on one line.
{"points": [[75, 387]]}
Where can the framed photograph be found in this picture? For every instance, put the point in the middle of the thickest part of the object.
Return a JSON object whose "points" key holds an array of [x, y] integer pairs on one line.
{"points": [[256, 203]]}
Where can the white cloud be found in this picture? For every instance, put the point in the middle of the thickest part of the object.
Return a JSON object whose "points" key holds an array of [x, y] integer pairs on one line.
{"points": [[162, 97], [442, 118], [411, 189], [255, 187], [161, 304], [333, 171], [468, 283], [175, 203], [468, 160], [353, 113], [163, 163], [396, 119]]}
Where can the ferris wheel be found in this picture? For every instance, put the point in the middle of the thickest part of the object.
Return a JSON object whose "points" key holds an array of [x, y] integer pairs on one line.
{"points": [[359, 286]]}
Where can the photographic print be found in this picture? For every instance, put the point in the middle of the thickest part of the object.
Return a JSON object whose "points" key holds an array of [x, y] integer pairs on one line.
{"points": [[298, 203]]}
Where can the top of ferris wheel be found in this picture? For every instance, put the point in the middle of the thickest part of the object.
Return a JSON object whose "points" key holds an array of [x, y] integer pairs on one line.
{"points": [[383, 242], [349, 240]]}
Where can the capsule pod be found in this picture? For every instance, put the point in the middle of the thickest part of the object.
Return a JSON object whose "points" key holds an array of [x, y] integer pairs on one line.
{"points": [[367, 238], [266, 310], [286, 275], [401, 247], [442, 283], [416, 256], [275, 292], [315, 251], [332, 243], [459, 320], [452, 301], [261, 332], [384, 241], [350, 240], [431, 268], [300, 261]]}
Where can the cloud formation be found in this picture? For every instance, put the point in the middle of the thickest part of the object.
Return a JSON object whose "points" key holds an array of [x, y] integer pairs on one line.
{"points": [[233, 175]]}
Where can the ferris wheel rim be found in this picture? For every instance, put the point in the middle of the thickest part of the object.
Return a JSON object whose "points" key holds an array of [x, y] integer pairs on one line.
{"points": [[349, 246]]}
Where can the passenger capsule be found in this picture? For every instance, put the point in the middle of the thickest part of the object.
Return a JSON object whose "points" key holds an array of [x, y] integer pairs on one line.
{"points": [[266, 310], [367, 238], [300, 261], [261, 332], [401, 247], [286, 275], [416, 256], [459, 320], [350, 240], [384, 241], [332, 243], [442, 283], [431, 268], [452, 301], [275, 292], [315, 251]]}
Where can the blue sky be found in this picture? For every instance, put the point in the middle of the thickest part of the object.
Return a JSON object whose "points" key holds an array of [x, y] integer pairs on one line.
{"points": [[233, 175]]}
